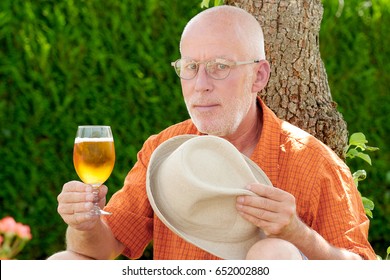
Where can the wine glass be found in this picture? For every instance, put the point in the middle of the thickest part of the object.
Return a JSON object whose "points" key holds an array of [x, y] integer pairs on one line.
{"points": [[94, 158]]}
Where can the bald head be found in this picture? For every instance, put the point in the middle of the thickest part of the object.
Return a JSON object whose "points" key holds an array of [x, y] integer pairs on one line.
{"points": [[236, 23]]}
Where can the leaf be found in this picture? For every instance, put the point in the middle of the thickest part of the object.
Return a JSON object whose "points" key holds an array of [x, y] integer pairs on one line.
{"points": [[205, 4], [358, 139], [372, 149], [352, 153], [388, 250], [368, 213], [368, 204], [360, 175], [365, 157]]}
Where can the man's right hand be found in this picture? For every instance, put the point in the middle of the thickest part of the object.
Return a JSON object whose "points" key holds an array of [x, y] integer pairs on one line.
{"points": [[75, 203]]}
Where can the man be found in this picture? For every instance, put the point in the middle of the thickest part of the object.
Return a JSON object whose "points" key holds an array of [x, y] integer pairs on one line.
{"points": [[314, 211]]}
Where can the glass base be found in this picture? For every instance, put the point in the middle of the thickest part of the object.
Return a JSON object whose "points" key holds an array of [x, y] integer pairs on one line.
{"points": [[96, 211]]}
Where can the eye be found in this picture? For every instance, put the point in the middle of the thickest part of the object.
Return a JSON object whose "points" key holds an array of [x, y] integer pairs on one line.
{"points": [[221, 66], [214, 66], [190, 66]]}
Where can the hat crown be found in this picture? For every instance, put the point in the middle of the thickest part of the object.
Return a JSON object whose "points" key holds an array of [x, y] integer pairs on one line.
{"points": [[205, 177]]}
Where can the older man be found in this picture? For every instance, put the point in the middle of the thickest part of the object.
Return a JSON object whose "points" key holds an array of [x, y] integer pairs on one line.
{"points": [[314, 211]]}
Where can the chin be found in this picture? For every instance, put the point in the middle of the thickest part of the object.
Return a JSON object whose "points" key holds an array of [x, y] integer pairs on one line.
{"points": [[216, 128], [212, 131]]}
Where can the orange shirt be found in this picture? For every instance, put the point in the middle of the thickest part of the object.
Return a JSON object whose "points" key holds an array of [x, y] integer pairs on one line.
{"points": [[327, 199]]}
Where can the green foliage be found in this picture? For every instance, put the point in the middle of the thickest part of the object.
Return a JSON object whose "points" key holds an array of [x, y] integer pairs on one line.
{"points": [[206, 3], [356, 147], [67, 63], [388, 253]]}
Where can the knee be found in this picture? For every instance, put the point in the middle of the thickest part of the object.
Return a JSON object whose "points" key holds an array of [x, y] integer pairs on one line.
{"points": [[67, 255], [273, 249]]}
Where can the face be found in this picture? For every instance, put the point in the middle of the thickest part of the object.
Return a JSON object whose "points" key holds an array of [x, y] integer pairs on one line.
{"points": [[218, 107]]}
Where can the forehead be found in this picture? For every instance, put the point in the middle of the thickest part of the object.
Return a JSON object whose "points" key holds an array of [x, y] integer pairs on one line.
{"points": [[217, 40]]}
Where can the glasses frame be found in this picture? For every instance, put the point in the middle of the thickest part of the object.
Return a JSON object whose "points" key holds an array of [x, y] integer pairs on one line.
{"points": [[228, 62]]}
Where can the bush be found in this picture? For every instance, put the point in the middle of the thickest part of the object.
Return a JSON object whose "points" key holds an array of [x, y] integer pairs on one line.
{"points": [[67, 63]]}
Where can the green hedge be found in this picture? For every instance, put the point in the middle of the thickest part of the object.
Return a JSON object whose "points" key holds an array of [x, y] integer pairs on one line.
{"points": [[66, 63]]}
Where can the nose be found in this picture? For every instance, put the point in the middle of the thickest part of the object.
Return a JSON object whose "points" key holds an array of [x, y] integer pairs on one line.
{"points": [[203, 81]]}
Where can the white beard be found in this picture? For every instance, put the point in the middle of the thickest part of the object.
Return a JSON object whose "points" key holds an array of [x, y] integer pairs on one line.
{"points": [[227, 120]]}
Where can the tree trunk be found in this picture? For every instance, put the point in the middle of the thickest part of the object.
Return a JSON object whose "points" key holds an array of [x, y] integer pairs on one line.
{"points": [[298, 90]]}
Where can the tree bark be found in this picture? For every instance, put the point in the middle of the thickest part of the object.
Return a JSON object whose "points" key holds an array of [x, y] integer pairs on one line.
{"points": [[298, 90]]}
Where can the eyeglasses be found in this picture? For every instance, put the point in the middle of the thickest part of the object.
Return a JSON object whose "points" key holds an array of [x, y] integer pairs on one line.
{"points": [[217, 68]]}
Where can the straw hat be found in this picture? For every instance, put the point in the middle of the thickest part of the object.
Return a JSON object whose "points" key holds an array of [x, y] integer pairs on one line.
{"points": [[192, 183]]}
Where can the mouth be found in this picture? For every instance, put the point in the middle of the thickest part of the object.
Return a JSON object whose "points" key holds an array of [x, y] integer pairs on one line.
{"points": [[205, 107]]}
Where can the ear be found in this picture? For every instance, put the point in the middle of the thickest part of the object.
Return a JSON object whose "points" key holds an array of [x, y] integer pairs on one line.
{"points": [[261, 75]]}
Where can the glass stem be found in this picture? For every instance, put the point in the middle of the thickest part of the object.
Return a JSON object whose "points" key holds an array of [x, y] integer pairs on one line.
{"points": [[95, 191]]}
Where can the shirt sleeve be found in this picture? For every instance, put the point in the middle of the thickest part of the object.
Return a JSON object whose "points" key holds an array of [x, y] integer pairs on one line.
{"points": [[131, 220], [340, 216]]}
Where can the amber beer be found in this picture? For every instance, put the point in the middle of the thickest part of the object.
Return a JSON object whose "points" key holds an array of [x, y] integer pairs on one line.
{"points": [[94, 159]]}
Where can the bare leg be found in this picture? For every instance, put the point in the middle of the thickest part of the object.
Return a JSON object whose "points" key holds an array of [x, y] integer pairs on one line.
{"points": [[68, 255], [273, 249]]}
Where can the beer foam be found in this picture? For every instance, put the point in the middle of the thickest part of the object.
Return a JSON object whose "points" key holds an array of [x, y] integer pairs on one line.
{"points": [[103, 139]]}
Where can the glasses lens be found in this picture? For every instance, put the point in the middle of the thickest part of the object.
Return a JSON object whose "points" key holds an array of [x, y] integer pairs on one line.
{"points": [[186, 69], [218, 69]]}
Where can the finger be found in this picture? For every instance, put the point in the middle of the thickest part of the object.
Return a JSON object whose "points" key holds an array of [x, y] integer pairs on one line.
{"points": [[74, 191], [257, 213], [103, 191], [258, 202], [267, 209], [76, 186], [73, 208], [269, 192], [74, 197], [269, 228]]}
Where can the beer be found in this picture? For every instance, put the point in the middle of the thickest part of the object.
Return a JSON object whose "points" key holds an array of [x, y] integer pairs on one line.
{"points": [[94, 159]]}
